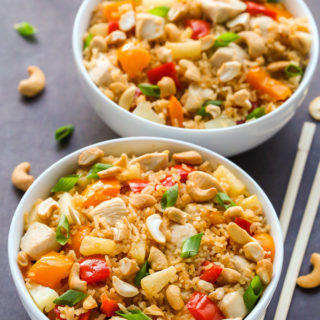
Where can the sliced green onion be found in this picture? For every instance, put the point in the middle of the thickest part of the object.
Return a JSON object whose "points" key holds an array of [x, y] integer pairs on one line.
{"points": [[87, 41], [256, 113], [97, 167], [292, 70], [253, 293], [150, 90], [63, 230], [143, 272], [202, 111], [224, 200], [133, 315], [225, 39], [66, 183], [161, 11], [170, 197], [25, 29], [70, 298], [190, 246], [64, 132]]}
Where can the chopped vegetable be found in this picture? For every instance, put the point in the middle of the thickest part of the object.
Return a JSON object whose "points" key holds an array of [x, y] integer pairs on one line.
{"points": [[111, 9], [267, 243], [200, 28], [168, 181], [183, 171], [202, 111], [292, 70], [224, 200], [133, 315], [253, 293], [260, 80], [255, 9], [94, 245], [70, 298], [161, 11], [170, 197], [50, 269], [202, 308], [25, 29], [190, 246], [66, 183], [113, 26], [185, 50], [210, 272], [94, 269], [225, 39], [256, 113], [77, 237], [63, 230], [97, 167], [85, 316], [164, 70], [175, 112], [64, 132], [43, 296], [87, 41], [243, 223], [143, 272], [108, 306], [137, 185], [279, 8], [150, 90]]}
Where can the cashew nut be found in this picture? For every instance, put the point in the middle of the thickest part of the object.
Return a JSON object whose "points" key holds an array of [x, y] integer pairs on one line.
{"points": [[22, 259], [242, 98], [153, 223], [215, 111], [255, 43], [301, 41], [115, 37], [253, 251], [153, 310], [207, 42], [277, 66], [74, 280], [229, 70], [191, 71], [176, 215], [117, 88], [314, 108], [173, 295], [46, 208], [239, 22], [20, 177], [177, 11], [167, 87], [157, 259], [265, 270], [121, 231], [123, 288], [205, 286], [142, 200], [126, 99], [237, 234], [128, 266], [234, 212], [89, 303], [90, 156], [188, 157], [34, 84], [202, 186], [127, 21], [229, 276], [312, 279], [172, 31], [99, 42], [110, 172]]}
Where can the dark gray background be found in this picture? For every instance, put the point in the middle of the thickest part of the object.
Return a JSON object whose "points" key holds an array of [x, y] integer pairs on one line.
{"points": [[27, 134]]}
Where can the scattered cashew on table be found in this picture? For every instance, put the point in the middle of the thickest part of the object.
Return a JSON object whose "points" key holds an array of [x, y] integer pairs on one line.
{"points": [[20, 177], [314, 108], [312, 279], [34, 84]]}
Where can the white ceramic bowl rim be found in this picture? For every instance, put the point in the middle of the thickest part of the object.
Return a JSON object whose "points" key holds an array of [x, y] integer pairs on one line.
{"points": [[250, 183], [77, 51]]}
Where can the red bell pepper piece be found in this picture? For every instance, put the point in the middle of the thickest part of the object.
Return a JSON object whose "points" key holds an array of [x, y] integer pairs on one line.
{"points": [[165, 70], [57, 312], [108, 306], [183, 171], [94, 269], [200, 28], [210, 272], [244, 224], [85, 316], [168, 181], [113, 26], [254, 9], [202, 308], [137, 185]]}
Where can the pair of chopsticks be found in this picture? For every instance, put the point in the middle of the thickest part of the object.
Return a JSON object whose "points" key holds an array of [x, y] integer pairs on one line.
{"points": [[304, 145]]}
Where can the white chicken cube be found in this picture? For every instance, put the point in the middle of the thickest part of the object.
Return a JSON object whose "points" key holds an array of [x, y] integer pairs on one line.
{"points": [[180, 233], [232, 305], [149, 26], [100, 72]]}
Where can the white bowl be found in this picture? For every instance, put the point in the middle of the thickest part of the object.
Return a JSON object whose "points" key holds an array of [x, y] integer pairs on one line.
{"points": [[136, 145], [227, 141]]}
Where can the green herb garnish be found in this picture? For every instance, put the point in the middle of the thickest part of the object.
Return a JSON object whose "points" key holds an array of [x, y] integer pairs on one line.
{"points": [[133, 315], [202, 111], [64, 132], [150, 90], [161, 11], [292, 70], [170, 197], [97, 167], [224, 200], [66, 183], [256, 113], [190, 246], [25, 29], [225, 39], [70, 298], [143, 272], [253, 293], [63, 230], [87, 41]]}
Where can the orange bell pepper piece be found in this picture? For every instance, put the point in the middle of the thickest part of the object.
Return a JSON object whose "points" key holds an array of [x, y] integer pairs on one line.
{"points": [[133, 59], [100, 191], [50, 269], [280, 9], [111, 9], [175, 112], [267, 243], [77, 238], [260, 80]]}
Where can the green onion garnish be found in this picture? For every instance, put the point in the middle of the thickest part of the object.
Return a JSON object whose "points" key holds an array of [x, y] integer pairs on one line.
{"points": [[292, 70], [253, 293], [150, 90], [143, 272], [202, 111], [87, 41], [161, 11], [66, 183], [63, 230], [256, 113], [225, 39], [170, 197], [97, 167], [133, 315], [70, 298], [190, 246], [64, 132], [224, 200], [25, 29]]}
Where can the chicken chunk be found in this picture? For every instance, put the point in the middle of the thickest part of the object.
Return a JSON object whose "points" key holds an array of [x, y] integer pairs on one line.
{"points": [[179, 233], [39, 240], [100, 72], [196, 96], [232, 305], [152, 161], [149, 26]]}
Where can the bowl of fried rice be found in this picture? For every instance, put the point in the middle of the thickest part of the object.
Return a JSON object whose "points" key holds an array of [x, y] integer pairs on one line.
{"points": [[148, 228]]}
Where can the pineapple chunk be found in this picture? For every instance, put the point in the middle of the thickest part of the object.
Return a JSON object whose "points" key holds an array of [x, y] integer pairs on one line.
{"points": [[157, 3], [252, 203], [43, 297], [189, 49], [67, 209], [144, 110], [99, 29], [138, 252], [156, 281], [236, 187], [93, 245]]}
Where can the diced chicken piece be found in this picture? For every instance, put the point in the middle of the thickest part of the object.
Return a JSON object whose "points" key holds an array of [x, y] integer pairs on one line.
{"points": [[152, 161], [179, 233], [121, 231], [113, 210], [239, 22], [128, 267], [196, 96], [220, 11], [221, 56], [127, 21], [239, 53], [100, 73], [207, 42], [233, 306], [191, 71], [253, 251], [255, 43], [39, 240], [149, 26], [242, 98], [241, 264], [164, 54], [229, 70], [301, 41], [263, 25], [177, 11], [115, 37]]}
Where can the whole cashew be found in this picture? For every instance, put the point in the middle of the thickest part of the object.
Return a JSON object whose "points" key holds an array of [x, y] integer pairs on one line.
{"points": [[74, 280], [34, 84], [312, 279], [20, 177], [255, 43]]}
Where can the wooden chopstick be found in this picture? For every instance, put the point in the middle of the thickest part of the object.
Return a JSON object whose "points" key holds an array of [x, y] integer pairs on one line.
{"points": [[299, 249]]}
